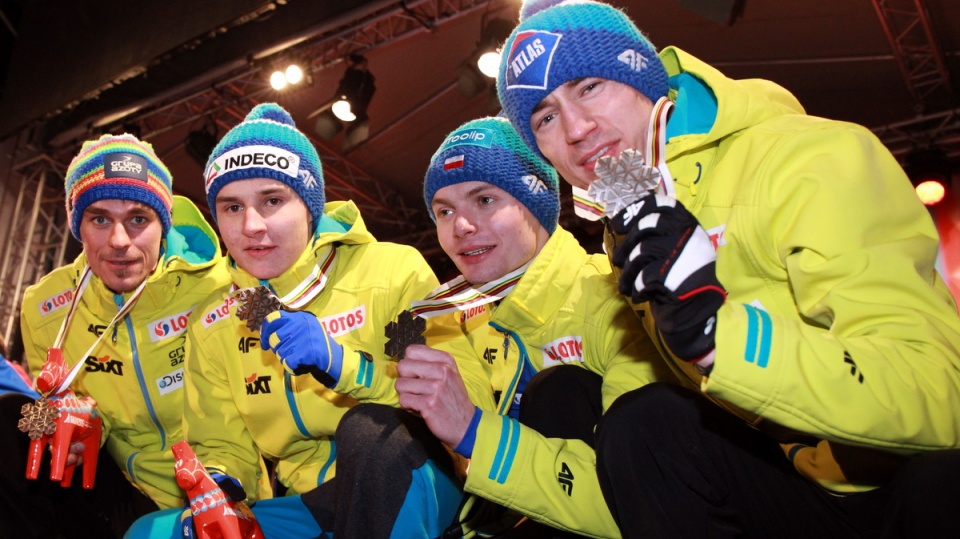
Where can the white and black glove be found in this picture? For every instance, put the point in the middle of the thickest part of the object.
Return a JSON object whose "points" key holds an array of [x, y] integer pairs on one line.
{"points": [[668, 259]]}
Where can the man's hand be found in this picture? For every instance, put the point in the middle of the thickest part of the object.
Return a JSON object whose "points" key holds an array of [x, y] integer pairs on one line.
{"points": [[302, 345], [669, 260], [430, 384], [75, 454]]}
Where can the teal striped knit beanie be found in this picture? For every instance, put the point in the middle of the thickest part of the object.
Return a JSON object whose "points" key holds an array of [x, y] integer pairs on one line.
{"points": [[117, 167], [267, 144], [558, 41], [490, 150]]}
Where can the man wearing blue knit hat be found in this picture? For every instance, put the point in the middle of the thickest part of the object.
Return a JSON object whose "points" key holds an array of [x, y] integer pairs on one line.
{"points": [[558, 341], [784, 268], [283, 385]]}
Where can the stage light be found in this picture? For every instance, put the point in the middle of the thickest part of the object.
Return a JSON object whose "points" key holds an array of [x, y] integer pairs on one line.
{"points": [[931, 192], [341, 109], [200, 143], [278, 81], [291, 74], [929, 171], [349, 104], [489, 63]]}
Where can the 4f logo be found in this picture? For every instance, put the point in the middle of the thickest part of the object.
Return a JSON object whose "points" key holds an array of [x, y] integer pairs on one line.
{"points": [[490, 354], [103, 364], [258, 384], [246, 343], [96, 329], [565, 478], [534, 184], [634, 59], [308, 180]]}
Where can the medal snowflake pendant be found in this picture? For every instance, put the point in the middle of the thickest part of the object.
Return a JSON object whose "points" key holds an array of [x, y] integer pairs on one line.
{"points": [[622, 181], [39, 418], [255, 305], [407, 330]]}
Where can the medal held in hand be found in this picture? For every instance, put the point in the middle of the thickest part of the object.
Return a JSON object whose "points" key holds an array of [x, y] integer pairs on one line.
{"points": [[622, 181], [255, 305], [407, 330], [39, 418]]}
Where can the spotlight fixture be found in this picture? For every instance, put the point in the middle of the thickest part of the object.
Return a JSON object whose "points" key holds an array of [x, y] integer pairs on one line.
{"points": [[201, 142], [349, 104], [484, 62], [929, 172], [288, 75]]}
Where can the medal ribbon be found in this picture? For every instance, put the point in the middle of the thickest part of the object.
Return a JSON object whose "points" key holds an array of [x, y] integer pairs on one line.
{"points": [[459, 295], [62, 334], [311, 287]]}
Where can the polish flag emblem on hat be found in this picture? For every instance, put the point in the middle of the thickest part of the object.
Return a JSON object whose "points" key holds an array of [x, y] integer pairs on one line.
{"points": [[453, 162]]}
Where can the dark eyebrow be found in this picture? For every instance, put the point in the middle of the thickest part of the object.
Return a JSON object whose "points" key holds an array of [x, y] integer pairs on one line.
{"points": [[266, 191], [572, 82], [470, 193]]}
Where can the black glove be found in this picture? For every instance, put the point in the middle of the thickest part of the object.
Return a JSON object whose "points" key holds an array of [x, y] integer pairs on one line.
{"points": [[229, 485], [668, 259]]}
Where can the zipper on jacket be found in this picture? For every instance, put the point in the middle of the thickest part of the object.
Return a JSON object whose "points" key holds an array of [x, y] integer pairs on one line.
{"points": [[511, 390], [144, 390]]}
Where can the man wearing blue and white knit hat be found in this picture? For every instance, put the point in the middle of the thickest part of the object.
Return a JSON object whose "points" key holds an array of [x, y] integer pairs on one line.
{"points": [[783, 267], [311, 387]]}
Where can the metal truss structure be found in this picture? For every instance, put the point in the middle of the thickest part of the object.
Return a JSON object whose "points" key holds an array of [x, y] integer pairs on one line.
{"points": [[38, 231]]}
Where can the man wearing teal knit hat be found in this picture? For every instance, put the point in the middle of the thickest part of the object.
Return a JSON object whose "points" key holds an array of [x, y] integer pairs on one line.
{"points": [[285, 388], [118, 313], [785, 269], [558, 342]]}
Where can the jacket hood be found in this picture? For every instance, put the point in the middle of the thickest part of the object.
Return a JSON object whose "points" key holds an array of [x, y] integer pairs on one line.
{"points": [[701, 119]]}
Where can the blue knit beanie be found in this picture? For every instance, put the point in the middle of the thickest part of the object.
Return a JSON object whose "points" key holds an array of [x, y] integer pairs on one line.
{"points": [[489, 150], [558, 41], [117, 167], [267, 144]]}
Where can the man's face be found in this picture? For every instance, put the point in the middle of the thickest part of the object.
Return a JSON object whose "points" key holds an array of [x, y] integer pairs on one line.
{"points": [[485, 231], [121, 239], [585, 119], [264, 224]]}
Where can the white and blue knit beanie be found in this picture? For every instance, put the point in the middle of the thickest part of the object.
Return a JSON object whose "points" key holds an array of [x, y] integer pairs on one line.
{"points": [[562, 40], [267, 144], [490, 150]]}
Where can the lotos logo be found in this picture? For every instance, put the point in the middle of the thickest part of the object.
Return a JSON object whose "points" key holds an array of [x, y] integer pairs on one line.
{"points": [[471, 312], [256, 156], [562, 350], [219, 312], [170, 382], [469, 137], [528, 64], [125, 165], [55, 302], [343, 323], [168, 327], [716, 236]]}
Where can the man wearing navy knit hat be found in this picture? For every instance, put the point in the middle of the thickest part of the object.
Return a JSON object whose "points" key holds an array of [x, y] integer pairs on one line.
{"points": [[118, 314], [558, 341], [784, 268]]}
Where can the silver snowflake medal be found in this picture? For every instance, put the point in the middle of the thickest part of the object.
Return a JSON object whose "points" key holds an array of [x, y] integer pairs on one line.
{"points": [[622, 181]]}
